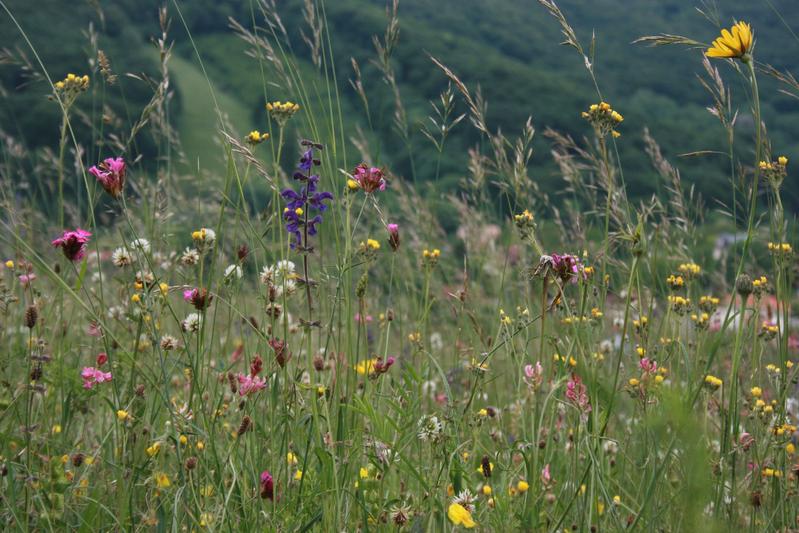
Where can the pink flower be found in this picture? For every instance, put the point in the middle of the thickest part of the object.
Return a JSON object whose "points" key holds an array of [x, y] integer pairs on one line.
{"points": [[102, 358], [648, 365], [73, 243], [393, 236], [534, 374], [267, 485], [92, 376], [27, 279], [546, 475], [359, 319], [111, 175], [250, 384], [577, 393], [370, 179]]}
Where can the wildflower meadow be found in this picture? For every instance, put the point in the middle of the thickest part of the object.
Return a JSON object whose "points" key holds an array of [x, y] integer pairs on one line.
{"points": [[297, 341]]}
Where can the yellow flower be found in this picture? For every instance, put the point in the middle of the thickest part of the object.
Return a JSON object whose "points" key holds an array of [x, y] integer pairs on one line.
{"points": [[460, 516], [154, 449], [352, 184], [366, 367], [522, 486], [756, 392], [164, 288], [291, 458], [122, 415], [183, 440], [487, 490], [9, 264], [733, 44], [298, 475], [162, 480], [363, 472]]}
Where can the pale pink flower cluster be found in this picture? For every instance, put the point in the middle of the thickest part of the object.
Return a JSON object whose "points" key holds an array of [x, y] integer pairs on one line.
{"points": [[91, 376], [249, 384]]}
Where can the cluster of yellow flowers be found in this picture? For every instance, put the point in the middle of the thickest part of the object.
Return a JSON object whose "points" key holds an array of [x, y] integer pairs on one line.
{"points": [[603, 118], [370, 246], [679, 304], [701, 321], [430, 258], [708, 304], [72, 84], [256, 137], [281, 112], [689, 270], [675, 282], [775, 171], [780, 249]]}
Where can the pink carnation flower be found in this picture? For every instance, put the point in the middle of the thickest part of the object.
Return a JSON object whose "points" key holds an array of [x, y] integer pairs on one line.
{"points": [[91, 376], [73, 243], [111, 175], [370, 179]]}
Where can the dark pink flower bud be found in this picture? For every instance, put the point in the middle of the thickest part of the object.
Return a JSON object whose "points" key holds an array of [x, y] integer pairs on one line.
{"points": [[102, 358], [393, 236], [267, 485]]}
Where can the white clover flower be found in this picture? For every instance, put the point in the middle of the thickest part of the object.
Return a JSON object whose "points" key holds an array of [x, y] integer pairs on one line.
{"points": [[142, 245], [430, 428], [233, 272], [121, 257], [192, 323]]}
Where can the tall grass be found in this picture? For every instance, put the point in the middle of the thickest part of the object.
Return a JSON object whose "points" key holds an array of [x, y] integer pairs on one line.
{"points": [[576, 364]]}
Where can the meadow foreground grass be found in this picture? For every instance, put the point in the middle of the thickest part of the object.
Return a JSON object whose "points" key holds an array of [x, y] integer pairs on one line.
{"points": [[298, 345]]}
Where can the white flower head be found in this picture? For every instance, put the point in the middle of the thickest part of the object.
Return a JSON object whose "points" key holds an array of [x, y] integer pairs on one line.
{"points": [[192, 323], [233, 272], [190, 256], [141, 245], [121, 257]]}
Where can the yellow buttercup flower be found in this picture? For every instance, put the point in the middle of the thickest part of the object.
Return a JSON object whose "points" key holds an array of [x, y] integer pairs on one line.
{"points": [[733, 43], [460, 516]]}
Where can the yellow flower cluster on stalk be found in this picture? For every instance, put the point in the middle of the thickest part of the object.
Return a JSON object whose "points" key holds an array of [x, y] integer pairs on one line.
{"points": [[735, 43], [70, 88], [256, 137], [775, 171], [281, 112], [603, 118]]}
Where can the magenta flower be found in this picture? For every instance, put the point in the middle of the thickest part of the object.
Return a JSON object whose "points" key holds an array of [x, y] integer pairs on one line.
{"points": [[91, 376], [370, 179], [111, 175], [73, 243], [566, 266], [267, 485], [249, 384], [393, 236]]}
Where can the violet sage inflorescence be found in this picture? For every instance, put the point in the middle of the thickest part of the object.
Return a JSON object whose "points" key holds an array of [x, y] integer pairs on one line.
{"points": [[297, 214]]}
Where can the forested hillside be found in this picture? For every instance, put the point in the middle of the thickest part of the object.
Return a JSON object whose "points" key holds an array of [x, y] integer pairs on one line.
{"points": [[505, 47]]}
